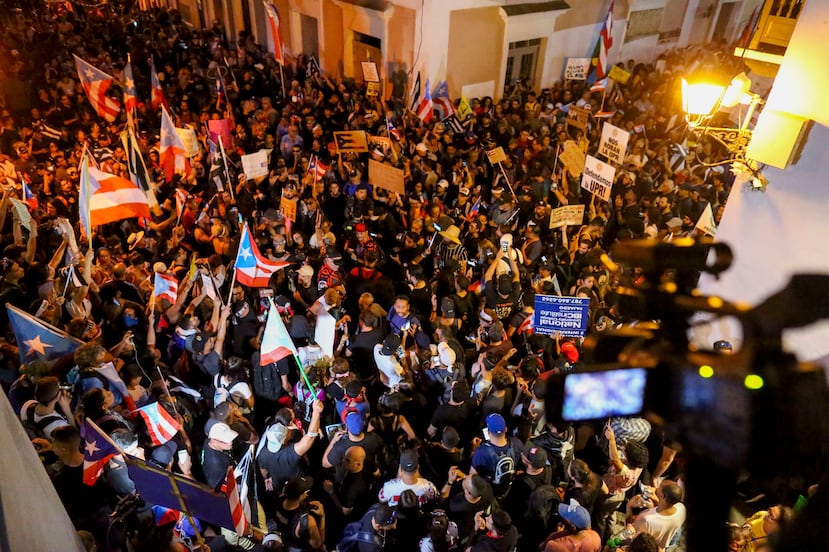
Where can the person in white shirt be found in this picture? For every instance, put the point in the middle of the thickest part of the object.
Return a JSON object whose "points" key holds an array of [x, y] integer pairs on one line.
{"points": [[665, 515], [385, 357], [409, 479]]}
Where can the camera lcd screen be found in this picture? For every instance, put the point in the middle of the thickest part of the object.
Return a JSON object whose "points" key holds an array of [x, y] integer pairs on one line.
{"points": [[593, 395]]}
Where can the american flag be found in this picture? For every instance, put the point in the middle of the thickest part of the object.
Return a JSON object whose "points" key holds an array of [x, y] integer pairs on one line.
{"points": [[605, 43], [97, 451], [96, 83]]}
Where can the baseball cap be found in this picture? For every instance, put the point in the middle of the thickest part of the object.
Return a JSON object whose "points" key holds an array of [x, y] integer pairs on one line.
{"points": [[354, 423], [195, 344], [450, 437], [495, 423], [222, 432], [297, 486], [360, 227], [575, 513], [464, 191], [536, 455], [306, 271], [408, 461], [505, 283], [447, 355], [570, 352], [275, 435], [447, 307], [390, 344], [675, 222]]}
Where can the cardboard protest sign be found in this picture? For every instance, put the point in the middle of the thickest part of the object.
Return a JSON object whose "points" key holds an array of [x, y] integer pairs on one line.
{"points": [[706, 223], [288, 207], [325, 332], [372, 89], [370, 73], [496, 155], [572, 157], [21, 214], [255, 165], [577, 68], [569, 215], [578, 117], [385, 176], [351, 141], [191, 143], [614, 143], [379, 142], [619, 75], [598, 178], [563, 315]]}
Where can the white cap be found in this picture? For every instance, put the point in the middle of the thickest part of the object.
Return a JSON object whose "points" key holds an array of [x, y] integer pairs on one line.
{"points": [[506, 239], [222, 432]]}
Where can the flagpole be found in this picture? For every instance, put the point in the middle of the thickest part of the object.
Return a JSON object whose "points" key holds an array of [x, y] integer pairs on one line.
{"points": [[227, 172], [506, 178], [282, 80], [232, 285]]}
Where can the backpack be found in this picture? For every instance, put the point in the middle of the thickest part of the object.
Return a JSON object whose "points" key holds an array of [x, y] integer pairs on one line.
{"points": [[36, 429], [504, 472], [267, 382]]}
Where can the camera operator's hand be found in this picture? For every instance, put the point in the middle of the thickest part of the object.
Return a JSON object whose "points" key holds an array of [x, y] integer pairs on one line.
{"points": [[608, 433]]}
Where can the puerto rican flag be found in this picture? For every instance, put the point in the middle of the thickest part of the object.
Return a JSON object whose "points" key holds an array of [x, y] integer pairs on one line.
{"points": [[96, 83], [165, 287], [160, 424], [276, 342], [171, 149], [441, 100], [29, 198], [108, 198], [317, 168], [237, 509], [252, 269], [130, 94], [276, 33], [157, 98], [424, 109], [97, 451], [605, 43], [527, 327], [599, 85]]}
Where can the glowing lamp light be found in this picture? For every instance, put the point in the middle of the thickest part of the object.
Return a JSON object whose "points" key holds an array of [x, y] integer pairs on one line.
{"points": [[701, 98], [753, 382], [706, 371]]}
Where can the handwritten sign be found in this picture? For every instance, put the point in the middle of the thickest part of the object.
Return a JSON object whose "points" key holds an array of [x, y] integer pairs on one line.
{"points": [[385, 176], [577, 68], [569, 215], [619, 75], [578, 117], [191, 143], [255, 165], [614, 143], [496, 155], [598, 177], [563, 315], [288, 207], [372, 89], [370, 73], [572, 157]]}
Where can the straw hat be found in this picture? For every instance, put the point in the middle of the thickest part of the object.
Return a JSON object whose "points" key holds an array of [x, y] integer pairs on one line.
{"points": [[451, 234]]}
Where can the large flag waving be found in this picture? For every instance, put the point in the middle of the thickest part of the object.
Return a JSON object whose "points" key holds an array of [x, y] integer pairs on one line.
{"points": [[165, 287], [97, 451], [171, 149], [276, 32], [96, 83], [136, 167], [604, 44], [252, 269], [130, 95], [424, 109], [276, 341], [38, 340], [107, 198]]}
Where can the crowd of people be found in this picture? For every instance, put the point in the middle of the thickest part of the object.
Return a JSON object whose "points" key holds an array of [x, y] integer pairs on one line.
{"points": [[429, 426]]}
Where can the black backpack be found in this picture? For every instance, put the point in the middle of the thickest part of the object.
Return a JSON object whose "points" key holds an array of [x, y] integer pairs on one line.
{"points": [[266, 382], [353, 534]]}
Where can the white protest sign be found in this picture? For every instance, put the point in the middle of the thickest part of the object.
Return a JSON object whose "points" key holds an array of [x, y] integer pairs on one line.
{"points": [[496, 155], [569, 215], [191, 143], [324, 333], [255, 165], [598, 177], [707, 223], [614, 143], [577, 68]]}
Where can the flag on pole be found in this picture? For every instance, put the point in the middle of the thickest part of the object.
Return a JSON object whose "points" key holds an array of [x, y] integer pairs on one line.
{"points": [[29, 198], [276, 33], [706, 222], [96, 83], [276, 341], [38, 340], [136, 167], [97, 451], [414, 97], [252, 269], [424, 109], [605, 43], [604, 114], [181, 201], [237, 509], [108, 198], [157, 98], [130, 94], [317, 168], [599, 86], [171, 148], [161, 426], [165, 287]]}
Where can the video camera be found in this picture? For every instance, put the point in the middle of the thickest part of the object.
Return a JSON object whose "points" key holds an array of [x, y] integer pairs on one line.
{"points": [[757, 411]]}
